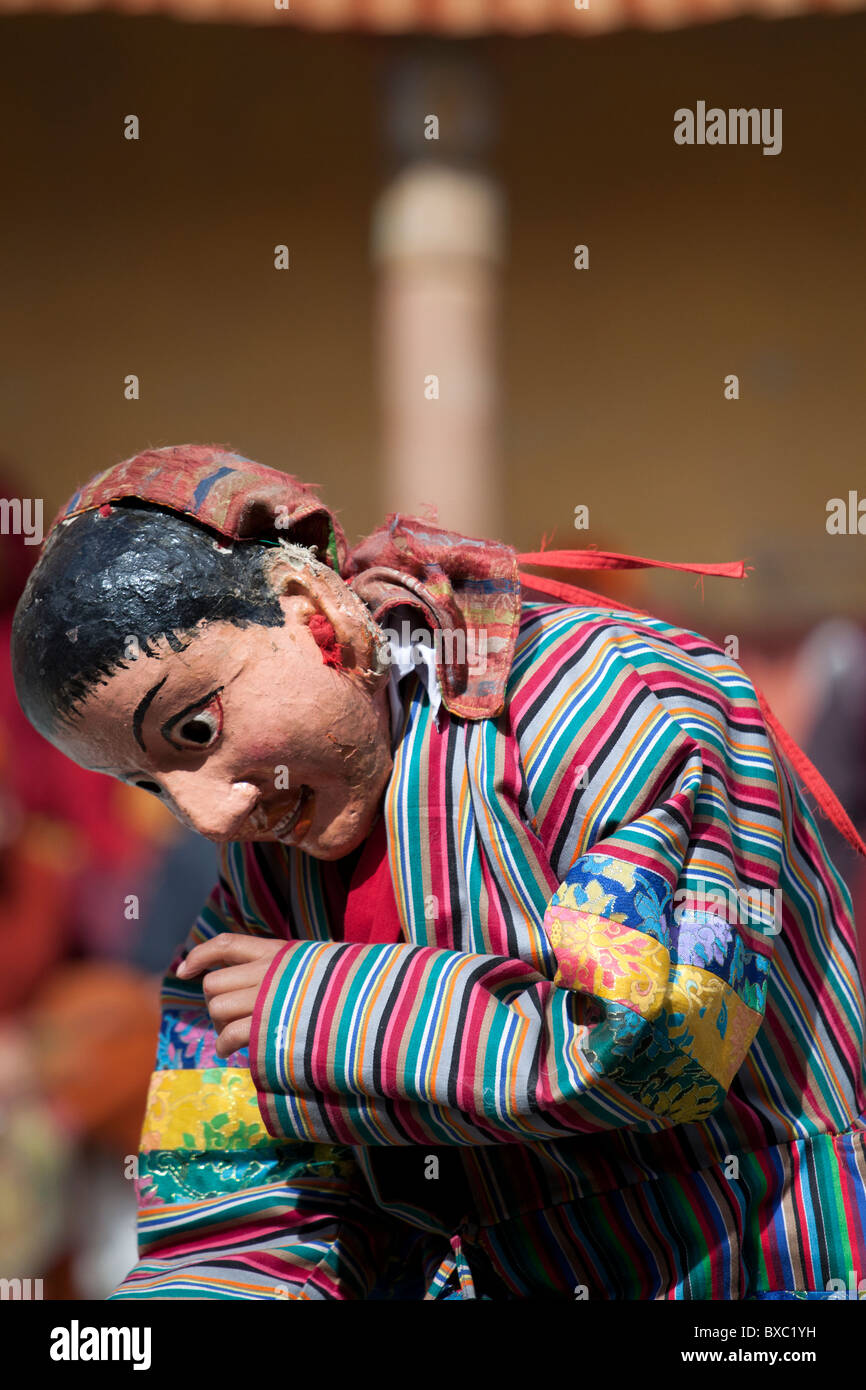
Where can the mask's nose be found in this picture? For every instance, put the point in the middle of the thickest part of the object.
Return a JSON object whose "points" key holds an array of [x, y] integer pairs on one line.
{"points": [[216, 808]]}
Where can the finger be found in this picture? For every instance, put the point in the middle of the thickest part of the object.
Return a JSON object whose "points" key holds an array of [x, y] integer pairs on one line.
{"points": [[228, 948], [225, 1008], [233, 1037], [232, 977]]}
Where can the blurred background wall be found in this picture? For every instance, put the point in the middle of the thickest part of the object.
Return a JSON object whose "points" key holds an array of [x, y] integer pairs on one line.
{"points": [[156, 257]]}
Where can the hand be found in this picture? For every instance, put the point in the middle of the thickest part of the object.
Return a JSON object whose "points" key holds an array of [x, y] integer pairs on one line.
{"points": [[231, 992]]}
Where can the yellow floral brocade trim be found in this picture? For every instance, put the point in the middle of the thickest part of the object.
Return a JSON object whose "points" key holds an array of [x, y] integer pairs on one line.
{"points": [[722, 1027], [209, 1109], [608, 960]]}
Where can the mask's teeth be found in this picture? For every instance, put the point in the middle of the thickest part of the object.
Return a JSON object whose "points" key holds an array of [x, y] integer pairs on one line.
{"points": [[288, 822]]}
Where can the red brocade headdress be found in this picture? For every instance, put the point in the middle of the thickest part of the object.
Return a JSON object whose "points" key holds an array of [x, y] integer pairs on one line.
{"points": [[459, 584]]}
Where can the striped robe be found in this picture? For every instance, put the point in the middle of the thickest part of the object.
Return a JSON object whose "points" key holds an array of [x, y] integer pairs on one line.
{"points": [[618, 1053]]}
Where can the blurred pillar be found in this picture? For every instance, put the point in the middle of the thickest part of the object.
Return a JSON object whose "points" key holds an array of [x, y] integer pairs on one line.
{"points": [[438, 241]]}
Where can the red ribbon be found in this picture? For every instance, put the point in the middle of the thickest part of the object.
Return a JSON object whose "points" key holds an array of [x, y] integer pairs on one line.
{"points": [[826, 798]]}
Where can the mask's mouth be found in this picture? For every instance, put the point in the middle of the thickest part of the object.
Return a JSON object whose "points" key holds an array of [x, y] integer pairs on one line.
{"points": [[272, 817], [298, 819]]}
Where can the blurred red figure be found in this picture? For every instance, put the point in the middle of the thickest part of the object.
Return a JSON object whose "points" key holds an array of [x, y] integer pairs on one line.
{"points": [[76, 1033]]}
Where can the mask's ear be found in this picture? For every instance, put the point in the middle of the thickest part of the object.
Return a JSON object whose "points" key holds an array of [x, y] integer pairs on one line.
{"points": [[339, 622]]}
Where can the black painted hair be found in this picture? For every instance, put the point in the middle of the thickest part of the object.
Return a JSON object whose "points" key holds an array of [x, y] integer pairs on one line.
{"points": [[137, 572]]}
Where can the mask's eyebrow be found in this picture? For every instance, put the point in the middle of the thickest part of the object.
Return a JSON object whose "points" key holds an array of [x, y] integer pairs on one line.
{"points": [[141, 711]]}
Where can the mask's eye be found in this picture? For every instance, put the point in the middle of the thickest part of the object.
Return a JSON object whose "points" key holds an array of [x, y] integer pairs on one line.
{"points": [[199, 727]]}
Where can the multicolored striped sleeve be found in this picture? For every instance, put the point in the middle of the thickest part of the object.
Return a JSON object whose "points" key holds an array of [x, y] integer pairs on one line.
{"points": [[224, 1210], [656, 793]]}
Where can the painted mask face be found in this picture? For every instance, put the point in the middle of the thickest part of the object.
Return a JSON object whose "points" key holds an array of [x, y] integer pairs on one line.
{"points": [[247, 733]]}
